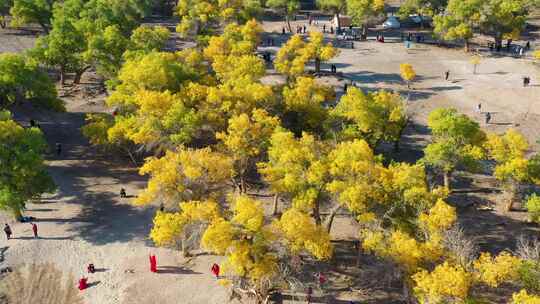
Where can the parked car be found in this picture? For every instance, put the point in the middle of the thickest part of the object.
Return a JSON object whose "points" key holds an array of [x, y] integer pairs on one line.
{"points": [[420, 19], [391, 23]]}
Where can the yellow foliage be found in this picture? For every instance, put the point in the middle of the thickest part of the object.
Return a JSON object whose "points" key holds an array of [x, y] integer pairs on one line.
{"points": [[307, 98], [439, 218], [248, 136], [248, 213], [295, 167], [168, 226], [522, 297], [407, 72], [295, 54], [301, 233], [445, 284], [219, 236], [536, 54], [511, 145], [185, 175], [496, 270]]}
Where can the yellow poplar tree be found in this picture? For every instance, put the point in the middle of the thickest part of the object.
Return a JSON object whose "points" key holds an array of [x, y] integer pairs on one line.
{"points": [[513, 168], [305, 104], [407, 73], [296, 53], [186, 175], [373, 117], [246, 139], [296, 168]]}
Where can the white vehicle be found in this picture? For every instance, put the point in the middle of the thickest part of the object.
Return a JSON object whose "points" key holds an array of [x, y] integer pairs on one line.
{"points": [[391, 23]]}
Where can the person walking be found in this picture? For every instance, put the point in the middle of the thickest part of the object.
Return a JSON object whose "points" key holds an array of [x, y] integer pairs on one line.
{"points": [[479, 108], [215, 270], [324, 28], [447, 75], [8, 231], [488, 118], [35, 230]]}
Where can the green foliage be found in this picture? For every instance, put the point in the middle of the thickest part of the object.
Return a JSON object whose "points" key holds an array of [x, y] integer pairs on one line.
{"points": [[422, 7], [529, 275], [332, 6], [457, 142], [361, 10], [21, 80], [201, 17], [533, 207], [32, 11], [23, 175]]}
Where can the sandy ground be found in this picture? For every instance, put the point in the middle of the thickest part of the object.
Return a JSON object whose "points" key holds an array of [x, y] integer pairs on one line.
{"points": [[86, 222]]}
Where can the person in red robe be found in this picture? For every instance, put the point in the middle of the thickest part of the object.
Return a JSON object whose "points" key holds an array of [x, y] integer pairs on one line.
{"points": [[153, 263], [215, 270], [34, 229], [83, 283]]}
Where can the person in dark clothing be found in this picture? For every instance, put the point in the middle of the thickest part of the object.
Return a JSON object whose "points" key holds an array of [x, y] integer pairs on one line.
{"points": [[488, 117], [32, 123], [324, 28], [345, 87], [526, 81], [123, 193], [58, 149], [331, 30], [305, 29], [282, 31], [528, 45], [8, 231], [446, 75]]}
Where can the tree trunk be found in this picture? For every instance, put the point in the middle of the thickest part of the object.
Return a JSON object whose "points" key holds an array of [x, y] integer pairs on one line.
{"points": [[79, 74], [62, 75], [330, 218], [338, 22], [364, 31], [276, 205], [358, 248], [288, 22], [467, 45], [512, 191], [317, 212], [185, 249], [446, 180], [317, 65]]}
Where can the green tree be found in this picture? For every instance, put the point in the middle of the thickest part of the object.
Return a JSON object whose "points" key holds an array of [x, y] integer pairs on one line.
{"points": [[22, 80], [286, 7], [504, 19], [422, 8], [62, 47], [361, 10], [335, 7], [32, 11], [459, 20], [23, 175], [456, 142]]}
